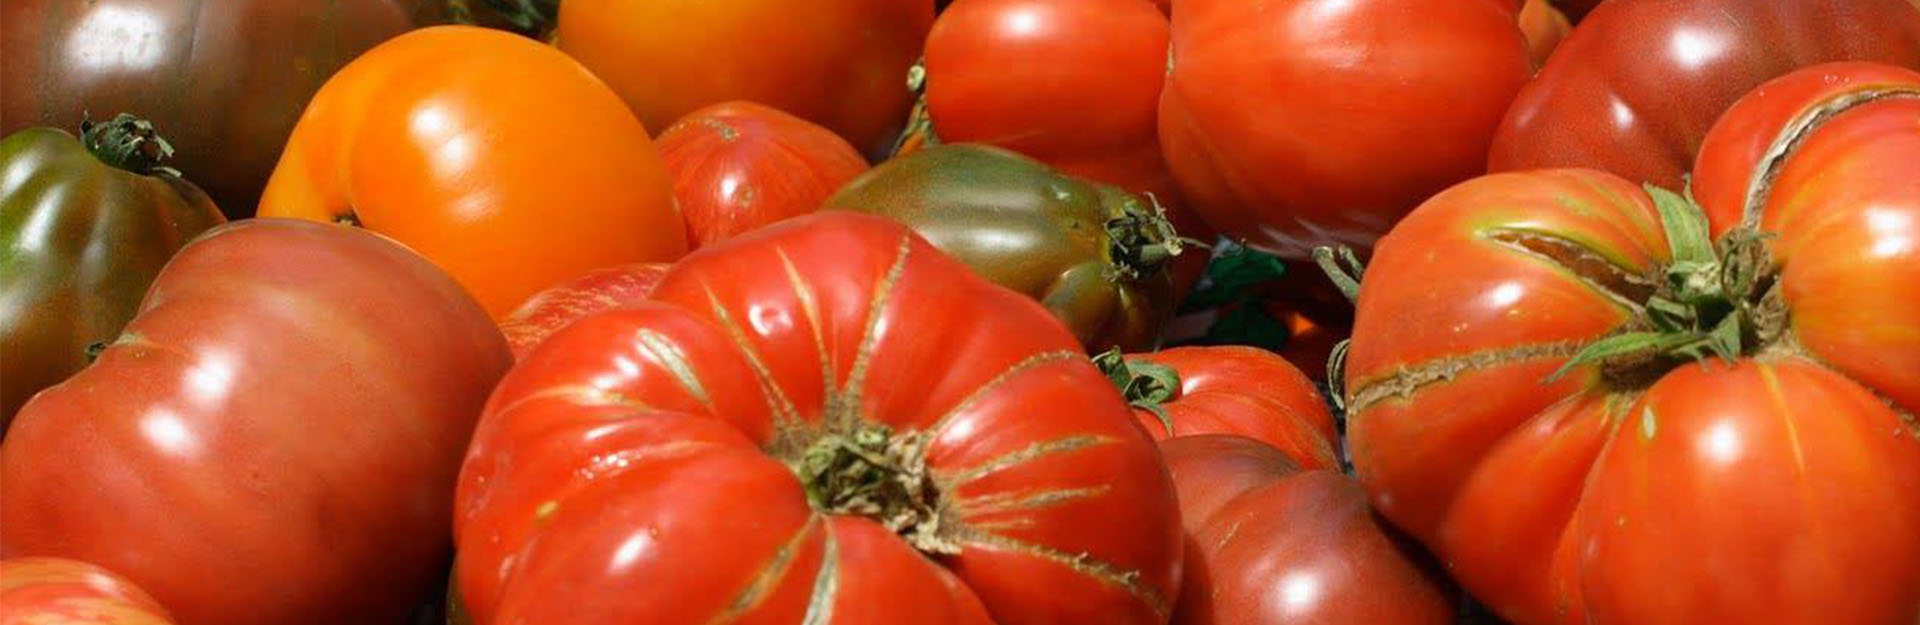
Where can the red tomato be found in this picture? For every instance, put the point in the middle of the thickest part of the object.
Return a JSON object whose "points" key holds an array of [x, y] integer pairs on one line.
{"points": [[57, 591], [841, 64], [1229, 389], [825, 418], [274, 438], [501, 160], [1635, 87], [601, 289], [737, 166], [1642, 488], [1300, 123], [1272, 543]]}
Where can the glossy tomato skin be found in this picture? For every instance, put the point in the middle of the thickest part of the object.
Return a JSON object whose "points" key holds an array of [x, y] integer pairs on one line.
{"points": [[275, 437], [224, 79], [737, 166], [510, 190], [1273, 543], [79, 242], [601, 289], [58, 591], [643, 462], [1026, 227], [1290, 150], [1244, 391], [842, 65], [1635, 88]]}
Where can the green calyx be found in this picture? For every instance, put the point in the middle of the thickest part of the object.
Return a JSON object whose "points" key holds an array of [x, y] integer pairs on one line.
{"points": [[1712, 301], [532, 18], [1145, 385], [129, 143], [871, 472], [1142, 240]]}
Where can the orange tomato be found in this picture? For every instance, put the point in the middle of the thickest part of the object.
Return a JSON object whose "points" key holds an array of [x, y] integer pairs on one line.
{"points": [[502, 160]]}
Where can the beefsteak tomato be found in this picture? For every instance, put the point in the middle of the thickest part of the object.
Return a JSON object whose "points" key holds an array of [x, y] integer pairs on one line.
{"points": [[84, 227], [737, 166], [1642, 487], [1299, 123], [274, 438], [1634, 89], [496, 157], [58, 591], [840, 64], [824, 419], [1228, 389], [601, 289], [226, 79]]}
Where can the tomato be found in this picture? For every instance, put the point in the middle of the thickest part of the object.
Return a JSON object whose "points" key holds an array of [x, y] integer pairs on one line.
{"points": [[823, 418], [1229, 389], [1095, 255], [737, 166], [57, 591], [275, 437], [511, 190], [1299, 123], [81, 236], [1635, 87], [1545, 26], [1272, 543], [839, 64], [225, 80], [601, 289], [1641, 487]]}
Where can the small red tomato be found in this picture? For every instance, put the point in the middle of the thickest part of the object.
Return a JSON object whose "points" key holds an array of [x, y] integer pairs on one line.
{"points": [[601, 289], [1228, 389], [58, 591], [737, 166]]}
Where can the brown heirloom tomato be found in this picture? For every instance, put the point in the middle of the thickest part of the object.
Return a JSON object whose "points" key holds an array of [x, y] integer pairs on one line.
{"points": [[1228, 389], [737, 166], [83, 230], [1777, 480], [601, 289], [824, 419], [1094, 255], [1634, 89], [1298, 123], [58, 591], [275, 437], [225, 79], [841, 64], [496, 157]]}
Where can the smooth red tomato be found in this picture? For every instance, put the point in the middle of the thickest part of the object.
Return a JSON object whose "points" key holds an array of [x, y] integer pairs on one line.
{"points": [[503, 161], [274, 438], [841, 64], [737, 166], [1272, 543], [1299, 123], [1634, 89], [601, 289], [58, 591], [1229, 389], [823, 418], [1643, 488]]}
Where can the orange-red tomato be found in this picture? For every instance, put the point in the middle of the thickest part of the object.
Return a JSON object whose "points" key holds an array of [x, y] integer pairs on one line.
{"points": [[841, 64], [737, 166], [58, 591], [500, 159], [601, 289], [1229, 389]]}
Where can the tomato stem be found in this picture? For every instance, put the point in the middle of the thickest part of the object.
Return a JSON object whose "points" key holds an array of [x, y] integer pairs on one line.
{"points": [[871, 472], [129, 143], [1145, 385], [1143, 240], [1343, 267]]}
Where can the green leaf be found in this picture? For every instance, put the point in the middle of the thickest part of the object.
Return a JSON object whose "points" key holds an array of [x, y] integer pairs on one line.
{"points": [[1686, 226], [1233, 275], [1249, 324]]}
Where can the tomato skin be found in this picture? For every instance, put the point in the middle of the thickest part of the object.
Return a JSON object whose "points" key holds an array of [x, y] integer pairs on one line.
{"points": [[58, 591], [601, 289], [224, 80], [676, 425], [1635, 88], [1272, 543], [1290, 150], [842, 65], [273, 439], [1545, 27], [737, 166], [504, 191], [1244, 391]]}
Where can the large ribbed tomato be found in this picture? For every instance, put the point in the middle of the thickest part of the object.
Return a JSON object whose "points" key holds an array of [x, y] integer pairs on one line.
{"points": [[498, 158], [58, 591], [1635, 87], [1229, 389], [1779, 486], [737, 166], [826, 419]]}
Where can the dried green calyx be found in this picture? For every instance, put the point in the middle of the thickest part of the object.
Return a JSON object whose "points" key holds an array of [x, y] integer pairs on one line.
{"points": [[871, 472]]}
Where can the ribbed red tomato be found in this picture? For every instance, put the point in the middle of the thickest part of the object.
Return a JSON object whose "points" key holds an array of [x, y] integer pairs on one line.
{"points": [[1229, 389], [601, 289], [1779, 486], [823, 419], [58, 591], [737, 166]]}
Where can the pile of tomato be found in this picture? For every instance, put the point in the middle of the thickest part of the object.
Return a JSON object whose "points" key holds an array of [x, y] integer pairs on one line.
{"points": [[1235, 312]]}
